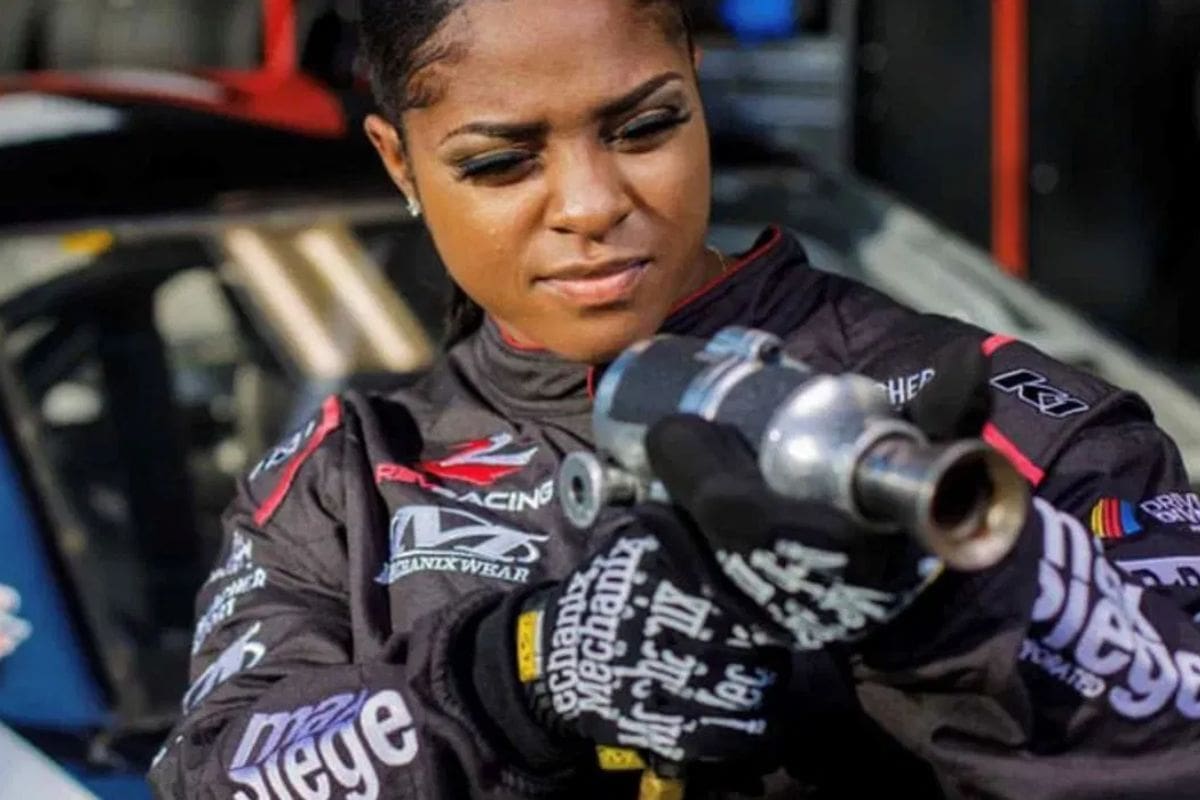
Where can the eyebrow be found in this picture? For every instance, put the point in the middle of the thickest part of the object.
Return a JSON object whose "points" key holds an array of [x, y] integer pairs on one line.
{"points": [[531, 130], [630, 101]]}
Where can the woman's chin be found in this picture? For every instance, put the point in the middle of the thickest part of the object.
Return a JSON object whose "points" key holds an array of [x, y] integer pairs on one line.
{"points": [[598, 341]]}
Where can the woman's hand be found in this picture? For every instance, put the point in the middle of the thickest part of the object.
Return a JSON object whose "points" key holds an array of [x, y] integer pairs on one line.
{"points": [[815, 575], [627, 651]]}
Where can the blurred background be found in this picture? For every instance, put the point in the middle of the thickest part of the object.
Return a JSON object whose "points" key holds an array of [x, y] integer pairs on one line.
{"points": [[196, 245]]}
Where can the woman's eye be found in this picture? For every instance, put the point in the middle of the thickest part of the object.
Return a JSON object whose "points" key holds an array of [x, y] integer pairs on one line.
{"points": [[648, 126], [494, 166]]}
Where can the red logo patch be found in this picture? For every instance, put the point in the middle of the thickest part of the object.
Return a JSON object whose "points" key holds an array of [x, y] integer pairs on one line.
{"points": [[479, 463]]}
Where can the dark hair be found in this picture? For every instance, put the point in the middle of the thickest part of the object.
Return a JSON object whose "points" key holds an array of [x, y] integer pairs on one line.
{"points": [[399, 40]]}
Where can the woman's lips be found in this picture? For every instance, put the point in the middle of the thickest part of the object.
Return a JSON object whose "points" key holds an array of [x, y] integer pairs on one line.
{"points": [[606, 288]]}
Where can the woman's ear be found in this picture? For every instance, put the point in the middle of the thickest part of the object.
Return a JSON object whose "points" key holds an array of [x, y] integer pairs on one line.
{"points": [[386, 139], [697, 57]]}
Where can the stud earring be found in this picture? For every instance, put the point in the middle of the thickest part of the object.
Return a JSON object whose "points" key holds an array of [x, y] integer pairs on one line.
{"points": [[414, 207]]}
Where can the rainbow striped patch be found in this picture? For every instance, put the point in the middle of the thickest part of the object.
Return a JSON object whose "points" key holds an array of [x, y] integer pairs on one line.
{"points": [[1112, 519]]}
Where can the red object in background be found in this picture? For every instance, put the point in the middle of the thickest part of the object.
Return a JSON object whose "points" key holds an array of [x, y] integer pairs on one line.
{"points": [[279, 37], [1010, 131], [277, 94], [291, 101]]}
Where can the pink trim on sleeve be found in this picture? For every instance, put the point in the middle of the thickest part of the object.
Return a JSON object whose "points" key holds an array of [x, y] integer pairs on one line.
{"points": [[331, 418], [995, 342], [1029, 470]]}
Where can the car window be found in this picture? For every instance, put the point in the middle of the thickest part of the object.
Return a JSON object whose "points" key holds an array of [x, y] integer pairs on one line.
{"points": [[153, 370]]}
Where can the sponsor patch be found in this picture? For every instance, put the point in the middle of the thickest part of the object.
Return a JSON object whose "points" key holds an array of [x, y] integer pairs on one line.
{"points": [[903, 388], [241, 553], [1061, 669], [1177, 571], [1035, 390], [244, 653], [479, 463], [338, 742], [13, 629], [436, 539], [1174, 508], [241, 575], [515, 500], [1113, 519], [274, 474], [279, 455], [1089, 631]]}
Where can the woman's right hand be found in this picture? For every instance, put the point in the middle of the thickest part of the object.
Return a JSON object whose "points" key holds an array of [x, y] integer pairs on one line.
{"points": [[633, 650]]}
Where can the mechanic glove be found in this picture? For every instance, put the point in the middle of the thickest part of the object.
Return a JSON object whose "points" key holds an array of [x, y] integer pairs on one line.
{"points": [[818, 576], [626, 652], [958, 400]]}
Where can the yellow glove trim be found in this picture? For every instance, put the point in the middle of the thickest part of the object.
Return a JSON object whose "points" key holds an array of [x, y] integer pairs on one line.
{"points": [[618, 759], [529, 656], [655, 787]]}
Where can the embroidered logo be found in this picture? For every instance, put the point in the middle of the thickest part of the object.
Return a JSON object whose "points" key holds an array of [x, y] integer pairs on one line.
{"points": [[238, 576], [340, 746], [1174, 508], [1032, 388], [1179, 571], [1113, 519], [433, 539], [904, 388], [244, 653], [480, 463]]}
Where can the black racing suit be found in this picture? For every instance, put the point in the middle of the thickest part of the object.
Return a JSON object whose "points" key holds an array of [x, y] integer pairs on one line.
{"points": [[329, 658]]}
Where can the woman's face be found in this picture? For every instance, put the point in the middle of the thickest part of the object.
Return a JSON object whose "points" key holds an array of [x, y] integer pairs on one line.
{"points": [[563, 169]]}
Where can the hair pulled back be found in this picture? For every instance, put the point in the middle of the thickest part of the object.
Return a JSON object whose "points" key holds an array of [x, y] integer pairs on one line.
{"points": [[399, 39]]}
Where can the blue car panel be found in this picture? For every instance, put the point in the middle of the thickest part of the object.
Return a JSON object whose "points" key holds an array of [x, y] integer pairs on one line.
{"points": [[46, 682]]}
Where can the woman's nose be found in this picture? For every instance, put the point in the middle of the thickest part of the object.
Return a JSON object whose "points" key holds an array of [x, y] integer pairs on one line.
{"points": [[589, 194]]}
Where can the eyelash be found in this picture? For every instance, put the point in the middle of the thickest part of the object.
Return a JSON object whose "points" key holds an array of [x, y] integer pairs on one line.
{"points": [[490, 165], [505, 164], [650, 125]]}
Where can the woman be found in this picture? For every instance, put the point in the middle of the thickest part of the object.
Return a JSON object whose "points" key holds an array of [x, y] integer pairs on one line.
{"points": [[401, 610]]}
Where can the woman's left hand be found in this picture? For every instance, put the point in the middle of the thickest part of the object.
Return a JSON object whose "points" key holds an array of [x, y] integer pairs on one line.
{"points": [[817, 576], [813, 573]]}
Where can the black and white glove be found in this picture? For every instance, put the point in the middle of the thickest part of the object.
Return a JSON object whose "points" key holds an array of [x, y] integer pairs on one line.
{"points": [[628, 651], [817, 577], [632, 650]]}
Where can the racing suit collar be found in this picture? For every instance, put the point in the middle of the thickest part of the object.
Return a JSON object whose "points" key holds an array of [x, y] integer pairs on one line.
{"points": [[761, 289], [523, 381]]}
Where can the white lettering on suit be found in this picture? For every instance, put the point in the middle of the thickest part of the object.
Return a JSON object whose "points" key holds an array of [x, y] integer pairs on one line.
{"points": [[904, 388], [435, 539], [1096, 638], [243, 653], [339, 741]]}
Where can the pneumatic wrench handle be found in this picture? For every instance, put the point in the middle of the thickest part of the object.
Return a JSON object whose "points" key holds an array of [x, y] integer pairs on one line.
{"points": [[586, 486]]}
